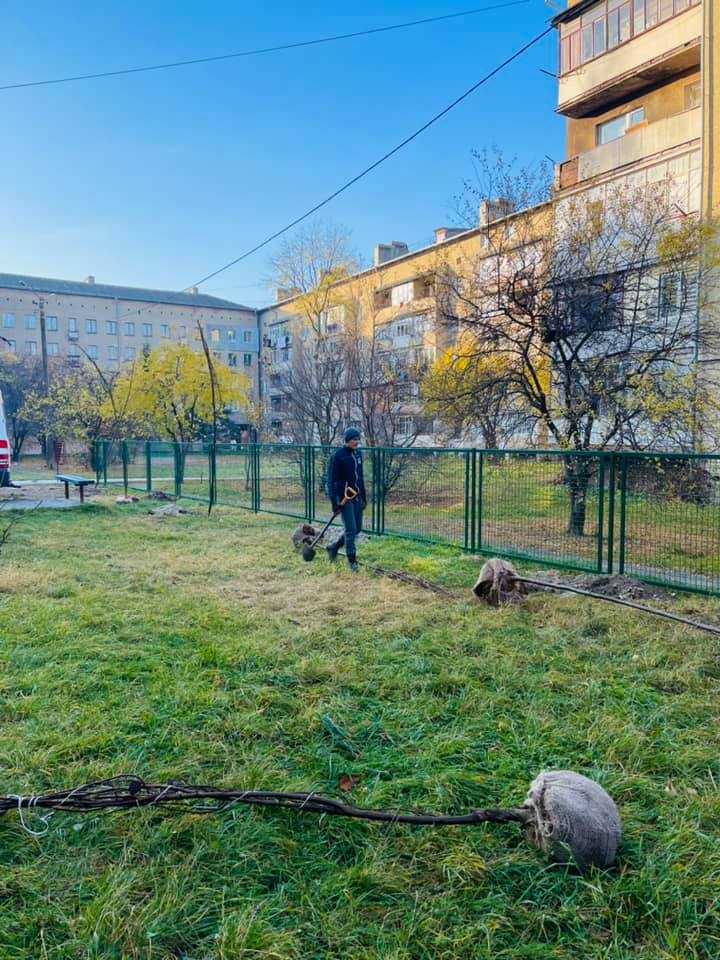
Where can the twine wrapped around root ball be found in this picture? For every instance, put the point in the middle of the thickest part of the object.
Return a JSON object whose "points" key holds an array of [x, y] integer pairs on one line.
{"points": [[573, 819], [499, 583]]}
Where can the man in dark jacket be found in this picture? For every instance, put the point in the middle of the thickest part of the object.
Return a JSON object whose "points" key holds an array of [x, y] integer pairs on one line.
{"points": [[345, 474]]}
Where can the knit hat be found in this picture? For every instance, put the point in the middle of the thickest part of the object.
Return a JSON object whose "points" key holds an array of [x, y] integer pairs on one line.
{"points": [[351, 434]]}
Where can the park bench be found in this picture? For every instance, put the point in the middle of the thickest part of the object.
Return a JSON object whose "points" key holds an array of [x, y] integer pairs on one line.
{"points": [[80, 482]]}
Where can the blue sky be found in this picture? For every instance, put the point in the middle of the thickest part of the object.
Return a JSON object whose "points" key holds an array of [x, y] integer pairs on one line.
{"points": [[157, 179]]}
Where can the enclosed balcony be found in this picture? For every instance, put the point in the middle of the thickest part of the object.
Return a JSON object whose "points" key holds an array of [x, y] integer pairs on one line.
{"points": [[605, 61]]}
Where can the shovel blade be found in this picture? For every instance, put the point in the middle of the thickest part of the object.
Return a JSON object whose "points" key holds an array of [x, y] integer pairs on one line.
{"points": [[308, 554]]}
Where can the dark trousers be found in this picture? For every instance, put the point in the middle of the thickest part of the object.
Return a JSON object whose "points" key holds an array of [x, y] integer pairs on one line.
{"points": [[352, 518]]}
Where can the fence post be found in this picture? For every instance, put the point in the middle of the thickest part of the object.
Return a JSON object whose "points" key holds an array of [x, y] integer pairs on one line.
{"points": [[601, 513], [148, 466], [98, 455], [383, 491], [105, 460], [256, 476], [611, 515], [310, 482], [473, 499], [623, 512], [480, 491]]}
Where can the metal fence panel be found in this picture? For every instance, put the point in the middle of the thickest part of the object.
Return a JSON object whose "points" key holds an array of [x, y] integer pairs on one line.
{"points": [[235, 475], [283, 475], [670, 520]]}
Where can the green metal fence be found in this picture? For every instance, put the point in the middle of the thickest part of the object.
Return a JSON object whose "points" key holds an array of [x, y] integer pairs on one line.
{"points": [[652, 516]]}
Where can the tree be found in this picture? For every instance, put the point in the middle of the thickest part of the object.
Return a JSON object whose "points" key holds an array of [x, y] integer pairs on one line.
{"points": [[19, 377], [497, 178], [592, 309], [169, 392], [468, 392], [311, 264]]}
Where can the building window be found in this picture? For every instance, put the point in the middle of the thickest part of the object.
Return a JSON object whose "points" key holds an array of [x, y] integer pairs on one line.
{"points": [[247, 336], [8, 320], [401, 294], [247, 359], [72, 325], [30, 321], [276, 424], [130, 353], [130, 329], [618, 126], [112, 352], [73, 352], [91, 326], [11, 345], [404, 328], [92, 351], [232, 360], [51, 324], [215, 335], [607, 25], [53, 349], [31, 347], [231, 334], [147, 329], [111, 327], [183, 332], [692, 95], [164, 330], [404, 426]]}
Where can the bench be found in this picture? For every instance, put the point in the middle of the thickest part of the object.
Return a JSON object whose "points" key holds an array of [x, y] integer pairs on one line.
{"points": [[80, 482]]}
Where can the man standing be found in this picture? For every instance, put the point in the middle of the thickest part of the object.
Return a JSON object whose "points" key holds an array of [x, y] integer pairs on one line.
{"points": [[345, 477]]}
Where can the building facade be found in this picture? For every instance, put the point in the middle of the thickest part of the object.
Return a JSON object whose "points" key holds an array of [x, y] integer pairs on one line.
{"points": [[113, 325]]}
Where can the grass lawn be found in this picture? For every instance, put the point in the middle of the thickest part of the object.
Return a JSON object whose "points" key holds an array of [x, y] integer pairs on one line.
{"points": [[203, 650]]}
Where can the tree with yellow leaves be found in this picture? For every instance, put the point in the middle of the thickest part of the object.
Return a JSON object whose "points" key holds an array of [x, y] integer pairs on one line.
{"points": [[170, 392]]}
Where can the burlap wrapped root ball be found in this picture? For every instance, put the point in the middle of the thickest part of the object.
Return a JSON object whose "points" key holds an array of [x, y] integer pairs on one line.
{"points": [[574, 820]]}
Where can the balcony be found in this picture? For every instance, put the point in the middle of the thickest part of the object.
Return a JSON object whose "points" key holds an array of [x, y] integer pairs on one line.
{"points": [[637, 144], [620, 74]]}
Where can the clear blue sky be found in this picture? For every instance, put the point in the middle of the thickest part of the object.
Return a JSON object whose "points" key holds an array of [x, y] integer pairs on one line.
{"points": [[156, 179]]}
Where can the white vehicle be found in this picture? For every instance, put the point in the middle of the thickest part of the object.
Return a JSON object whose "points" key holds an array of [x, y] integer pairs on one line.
{"points": [[4, 448]]}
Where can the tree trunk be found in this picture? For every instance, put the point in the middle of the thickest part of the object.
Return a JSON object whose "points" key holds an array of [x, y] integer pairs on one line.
{"points": [[578, 471]]}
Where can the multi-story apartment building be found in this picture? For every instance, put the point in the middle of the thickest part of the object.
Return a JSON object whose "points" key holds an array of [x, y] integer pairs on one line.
{"points": [[114, 325]]}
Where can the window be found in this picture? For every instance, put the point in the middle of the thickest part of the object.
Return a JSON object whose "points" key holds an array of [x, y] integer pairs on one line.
{"points": [[692, 95], [91, 326], [404, 426], [111, 327], [130, 329], [231, 334], [611, 23], [72, 325], [51, 324], [247, 336], [73, 352], [11, 345], [617, 127], [92, 351], [130, 353], [8, 320], [405, 328], [112, 352], [147, 329], [164, 330], [247, 359], [53, 349], [232, 360], [355, 398], [183, 331], [215, 335], [673, 292], [30, 321], [401, 294], [31, 347]]}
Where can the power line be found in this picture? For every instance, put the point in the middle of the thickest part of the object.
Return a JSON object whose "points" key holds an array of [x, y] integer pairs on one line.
{"points": [[378, 162], [262, 50]]}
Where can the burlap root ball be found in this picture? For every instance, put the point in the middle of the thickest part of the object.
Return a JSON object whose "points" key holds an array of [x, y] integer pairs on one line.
{"points": [[305, 533], [575, 821]]}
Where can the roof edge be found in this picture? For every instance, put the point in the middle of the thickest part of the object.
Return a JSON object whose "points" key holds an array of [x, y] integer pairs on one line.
{"points": [[572, 12]]}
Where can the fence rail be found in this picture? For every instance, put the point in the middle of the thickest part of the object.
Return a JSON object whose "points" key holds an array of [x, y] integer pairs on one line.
{"points": [[655, 516]]}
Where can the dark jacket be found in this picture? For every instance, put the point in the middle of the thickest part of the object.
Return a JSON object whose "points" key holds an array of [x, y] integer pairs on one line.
{"points": [[346, 469]]}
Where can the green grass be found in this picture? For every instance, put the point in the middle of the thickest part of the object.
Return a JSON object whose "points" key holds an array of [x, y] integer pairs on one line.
{"points": [[204, 650]]}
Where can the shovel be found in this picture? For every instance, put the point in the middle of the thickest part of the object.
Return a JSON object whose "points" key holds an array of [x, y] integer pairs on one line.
{"points": [[308, 550]]}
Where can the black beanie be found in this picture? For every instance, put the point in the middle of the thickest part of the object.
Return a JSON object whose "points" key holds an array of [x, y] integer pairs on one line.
{"points": [[352, 433]]}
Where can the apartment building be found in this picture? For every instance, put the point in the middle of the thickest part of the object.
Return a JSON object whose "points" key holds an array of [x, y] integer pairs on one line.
{"points": [[114, 325]]}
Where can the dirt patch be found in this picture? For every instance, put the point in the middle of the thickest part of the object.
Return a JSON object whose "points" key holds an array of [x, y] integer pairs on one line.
{"points": [[624, 588], [43, 491]]}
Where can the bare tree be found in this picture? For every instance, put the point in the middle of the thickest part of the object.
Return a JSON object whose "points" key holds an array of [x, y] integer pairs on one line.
{"points": [[592, 308], [497, 177]]}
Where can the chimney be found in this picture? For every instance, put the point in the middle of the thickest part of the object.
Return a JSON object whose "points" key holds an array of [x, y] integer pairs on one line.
{"points": [[193, 291], [444, 233], [389, 251], [491, 210], [285, 293], [89, 279]]}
